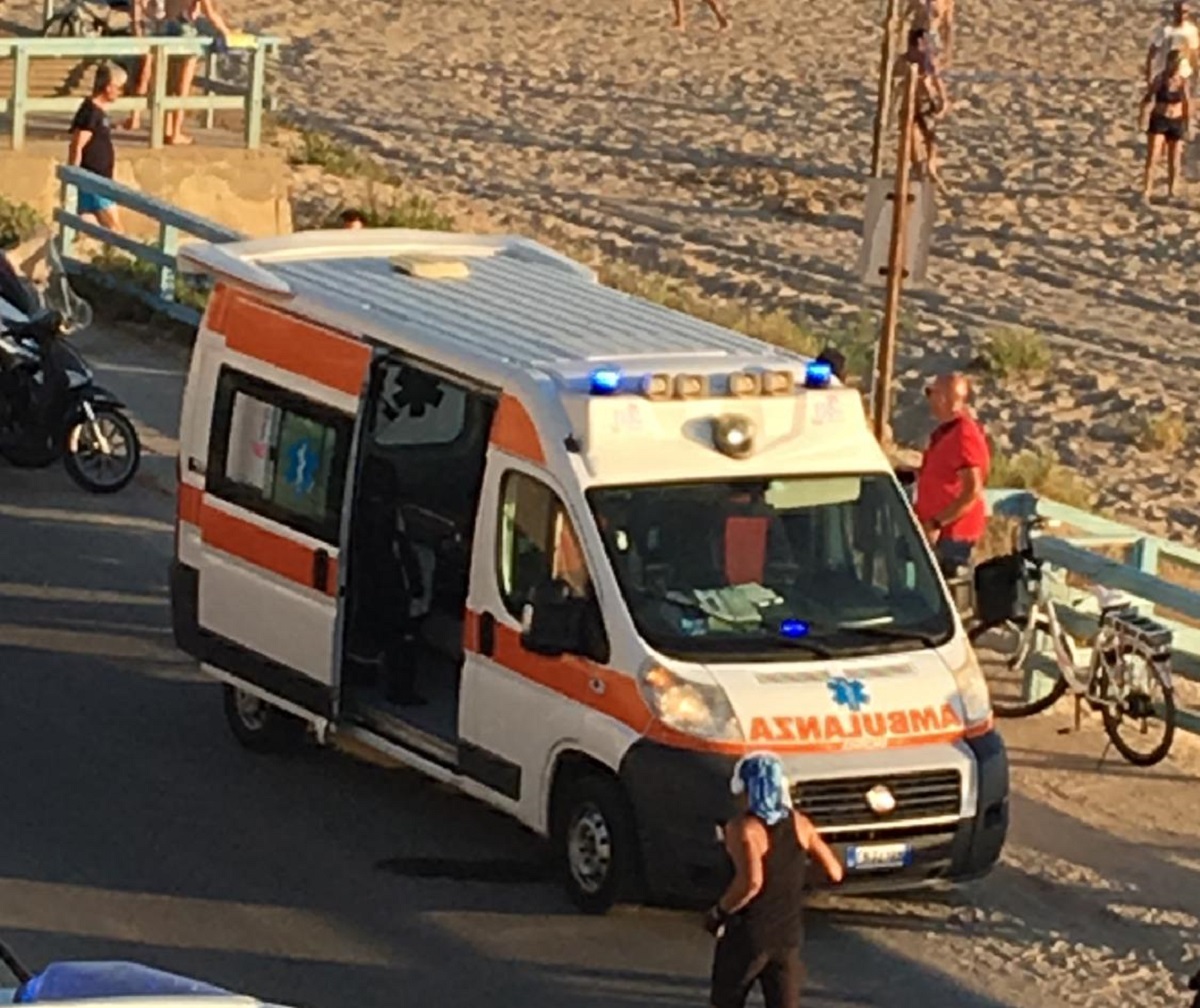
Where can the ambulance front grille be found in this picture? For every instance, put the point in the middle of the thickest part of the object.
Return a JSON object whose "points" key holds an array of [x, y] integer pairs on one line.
{"points": [[927, 794]]}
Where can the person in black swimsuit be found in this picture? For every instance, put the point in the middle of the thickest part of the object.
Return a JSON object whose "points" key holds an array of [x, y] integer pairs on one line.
{"points": [[758, 920], [1166, 115]]}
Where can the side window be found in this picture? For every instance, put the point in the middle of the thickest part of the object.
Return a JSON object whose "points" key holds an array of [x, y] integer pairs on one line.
{"points": [[278, 454], [416, 408], [537, 542]]}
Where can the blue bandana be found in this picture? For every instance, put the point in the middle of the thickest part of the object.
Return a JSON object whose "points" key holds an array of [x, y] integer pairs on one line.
{"points": [[760, 776]]}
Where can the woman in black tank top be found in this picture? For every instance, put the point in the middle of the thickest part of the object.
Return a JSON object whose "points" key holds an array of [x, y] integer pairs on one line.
{"points": [[1166, 116], [759, 919]]}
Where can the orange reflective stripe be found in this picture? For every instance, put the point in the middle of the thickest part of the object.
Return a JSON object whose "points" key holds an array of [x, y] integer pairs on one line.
{"points": [[290, 342], [619, 697], [577, 679], [263, 548], [513, 431], [189, 503]]}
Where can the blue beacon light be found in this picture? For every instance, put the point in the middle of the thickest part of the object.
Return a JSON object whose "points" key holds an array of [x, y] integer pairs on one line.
{"points": [[793, 628], [605, 381], [818, 374]]}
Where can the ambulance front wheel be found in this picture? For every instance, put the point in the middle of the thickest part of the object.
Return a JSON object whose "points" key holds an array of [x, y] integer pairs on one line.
{"points": [[597, 844], [258, 725]]}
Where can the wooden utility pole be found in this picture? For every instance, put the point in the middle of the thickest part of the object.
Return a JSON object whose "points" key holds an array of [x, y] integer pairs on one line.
{"points": [[882, 398], [883, 95]]}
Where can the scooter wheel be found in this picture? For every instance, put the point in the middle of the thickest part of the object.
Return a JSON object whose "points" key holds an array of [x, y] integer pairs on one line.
{"points": [[104, 457]]}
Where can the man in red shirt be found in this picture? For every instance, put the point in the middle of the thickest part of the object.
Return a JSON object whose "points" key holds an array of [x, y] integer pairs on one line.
{"points": [[954, 471]]}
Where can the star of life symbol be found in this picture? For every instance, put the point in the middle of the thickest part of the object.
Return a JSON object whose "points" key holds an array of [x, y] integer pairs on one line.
{"points": [[302, 467], [851, 693]]}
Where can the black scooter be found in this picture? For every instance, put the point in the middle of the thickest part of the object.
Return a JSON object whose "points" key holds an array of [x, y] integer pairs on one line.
{"points": [[50, 405]]}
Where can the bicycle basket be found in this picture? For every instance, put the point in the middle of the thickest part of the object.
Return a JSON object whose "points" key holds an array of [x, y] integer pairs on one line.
{"points": [[999, 593]]}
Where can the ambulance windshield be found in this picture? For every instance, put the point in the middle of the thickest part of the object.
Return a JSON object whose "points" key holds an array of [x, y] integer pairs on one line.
{"points": [[773, 569]]}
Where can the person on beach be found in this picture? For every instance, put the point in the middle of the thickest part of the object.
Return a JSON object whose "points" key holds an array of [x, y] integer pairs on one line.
{"points": [[950, 504], [189, 19], [1166, 118], [937, 18], [91, 146], [147, 18], [932, 103], [713, 5], [1179, 33], [758, 921]]}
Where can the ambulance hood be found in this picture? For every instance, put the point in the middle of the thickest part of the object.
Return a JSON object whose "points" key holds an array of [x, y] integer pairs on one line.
{"points": [[863, 702]]}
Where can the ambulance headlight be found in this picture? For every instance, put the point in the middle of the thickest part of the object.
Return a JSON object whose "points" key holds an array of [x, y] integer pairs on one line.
{"points": [[973, 689], [734, 435], [696, 708]]}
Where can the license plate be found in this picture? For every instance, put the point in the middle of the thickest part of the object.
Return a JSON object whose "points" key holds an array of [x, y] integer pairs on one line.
{"points": [[875, 856]]}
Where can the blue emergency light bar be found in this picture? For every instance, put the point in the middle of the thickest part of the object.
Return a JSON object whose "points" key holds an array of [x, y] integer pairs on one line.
{"points": [[605, 381], [818, 374]]}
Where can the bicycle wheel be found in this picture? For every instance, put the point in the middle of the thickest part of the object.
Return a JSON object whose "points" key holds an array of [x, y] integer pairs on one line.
{"points": [[1003, 651], [1138, 695]]}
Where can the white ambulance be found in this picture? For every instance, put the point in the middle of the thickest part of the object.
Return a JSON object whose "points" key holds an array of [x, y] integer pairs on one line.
{"points": [[448, 497]]}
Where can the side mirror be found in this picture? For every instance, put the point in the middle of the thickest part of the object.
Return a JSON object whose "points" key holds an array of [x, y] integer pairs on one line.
{"points": [[557, 622]]}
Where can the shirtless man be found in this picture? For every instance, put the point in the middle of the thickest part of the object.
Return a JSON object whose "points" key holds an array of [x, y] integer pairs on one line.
{"points": [[937, 18], [713, 5]]}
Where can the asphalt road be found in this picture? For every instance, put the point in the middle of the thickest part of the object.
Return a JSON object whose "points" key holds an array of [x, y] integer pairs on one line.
{"points": [[133, 826]]}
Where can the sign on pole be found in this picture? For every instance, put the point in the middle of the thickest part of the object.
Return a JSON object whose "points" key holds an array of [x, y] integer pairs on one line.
{"points": [[877, 229]]}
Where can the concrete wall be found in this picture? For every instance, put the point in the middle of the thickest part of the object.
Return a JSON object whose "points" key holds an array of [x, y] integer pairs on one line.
{"points": [[247, 190]]}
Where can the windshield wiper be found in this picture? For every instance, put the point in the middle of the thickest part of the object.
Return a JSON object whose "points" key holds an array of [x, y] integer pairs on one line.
{"points": [[887, 631]]}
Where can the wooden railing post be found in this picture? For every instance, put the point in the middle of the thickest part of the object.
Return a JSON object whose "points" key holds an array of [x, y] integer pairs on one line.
{"points": [[20, 95], [255, 99], [210, 75], [158, 97], [168, 242], [66, 234]]}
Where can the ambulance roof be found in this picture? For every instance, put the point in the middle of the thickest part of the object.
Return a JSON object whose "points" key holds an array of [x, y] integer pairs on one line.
{"points": [[503, 299]]}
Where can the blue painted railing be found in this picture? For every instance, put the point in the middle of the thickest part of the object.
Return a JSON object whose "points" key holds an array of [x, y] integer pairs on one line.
{"points": [[249, 97], [1151, 594], [173, 224]]}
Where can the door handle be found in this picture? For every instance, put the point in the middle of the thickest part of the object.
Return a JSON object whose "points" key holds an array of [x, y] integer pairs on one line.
{"points": [[487, 635], [320, 570]]}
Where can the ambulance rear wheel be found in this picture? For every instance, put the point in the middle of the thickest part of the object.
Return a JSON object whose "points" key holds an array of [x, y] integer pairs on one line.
{"points": [[260, 726], [597, 844]]}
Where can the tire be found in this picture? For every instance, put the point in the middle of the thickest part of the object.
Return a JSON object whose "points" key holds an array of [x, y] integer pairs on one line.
{"points": [[1112, 728], [596, 844], [260, 727], [1010, 656], [90, 468]]}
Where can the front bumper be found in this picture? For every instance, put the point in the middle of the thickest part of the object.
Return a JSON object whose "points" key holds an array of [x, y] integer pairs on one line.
{"points": [[680, 798]]}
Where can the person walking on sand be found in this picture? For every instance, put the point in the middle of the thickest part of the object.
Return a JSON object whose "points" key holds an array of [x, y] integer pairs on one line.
{"points": [[758, 921], [189, 19], [718, 11], [937, 18], [950, 504], [91, 146], [932, 101], [1166, 118], [1180, 33]]}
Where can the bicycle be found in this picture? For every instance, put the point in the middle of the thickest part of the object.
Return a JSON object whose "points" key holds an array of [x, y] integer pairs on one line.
{"points": [[1130, 653]]}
